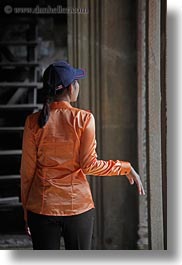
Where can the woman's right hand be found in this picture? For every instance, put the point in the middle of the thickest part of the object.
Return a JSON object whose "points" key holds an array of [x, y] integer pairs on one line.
{"points": [[133, 177], [27, 230]]}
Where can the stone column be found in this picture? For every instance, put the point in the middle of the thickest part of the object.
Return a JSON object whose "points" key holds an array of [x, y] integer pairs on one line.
{"points": [[154, 126], [119, 120], [143, 231], [151, 225]]}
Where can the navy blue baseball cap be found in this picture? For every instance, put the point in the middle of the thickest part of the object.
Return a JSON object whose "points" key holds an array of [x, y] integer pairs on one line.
{"points": [[61, 74]]}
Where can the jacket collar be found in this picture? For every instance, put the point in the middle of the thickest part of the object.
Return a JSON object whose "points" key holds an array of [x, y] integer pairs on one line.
{"points": [[60, 105]]}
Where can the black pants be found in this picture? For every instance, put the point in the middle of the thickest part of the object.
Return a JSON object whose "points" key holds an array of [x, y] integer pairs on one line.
{"points": [[76, 230]]}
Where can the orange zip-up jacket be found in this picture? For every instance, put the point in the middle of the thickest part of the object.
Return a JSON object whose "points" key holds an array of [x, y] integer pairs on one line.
{"points": [[56, 160]]}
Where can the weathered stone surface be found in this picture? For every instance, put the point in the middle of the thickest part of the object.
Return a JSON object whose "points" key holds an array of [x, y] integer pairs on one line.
{"points": [[15, 242], [19, 242]]}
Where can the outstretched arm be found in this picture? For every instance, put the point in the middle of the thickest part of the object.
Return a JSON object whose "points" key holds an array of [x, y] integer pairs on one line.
{"points": [[92, 166]]}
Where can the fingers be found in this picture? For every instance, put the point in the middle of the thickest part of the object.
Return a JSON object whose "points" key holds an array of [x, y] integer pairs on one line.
{"points": [[142, 191], [131, 180], [139, 184], [140, 187], [28, 232], [27, 229]]}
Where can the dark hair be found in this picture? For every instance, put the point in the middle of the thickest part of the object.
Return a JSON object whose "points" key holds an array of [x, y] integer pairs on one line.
{"points": [[52, 92]]}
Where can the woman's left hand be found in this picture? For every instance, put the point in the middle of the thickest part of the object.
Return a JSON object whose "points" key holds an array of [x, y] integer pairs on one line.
{"points": [[133, 177]]}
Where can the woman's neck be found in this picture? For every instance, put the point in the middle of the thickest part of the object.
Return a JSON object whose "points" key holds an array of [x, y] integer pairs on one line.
{"points": [[63, 98]]}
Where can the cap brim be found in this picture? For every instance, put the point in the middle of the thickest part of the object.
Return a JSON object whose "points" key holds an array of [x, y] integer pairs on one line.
{"points": [[80, 73]]}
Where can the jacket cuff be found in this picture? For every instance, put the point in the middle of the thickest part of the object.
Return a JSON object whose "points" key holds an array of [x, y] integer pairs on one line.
{"points": [[125, 168]]}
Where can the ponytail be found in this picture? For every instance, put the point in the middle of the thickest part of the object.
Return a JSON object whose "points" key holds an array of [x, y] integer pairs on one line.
{"points": [[50, 90], [44, 114], [53, 90]]}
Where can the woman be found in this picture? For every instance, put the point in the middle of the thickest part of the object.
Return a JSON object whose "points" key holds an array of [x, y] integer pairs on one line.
{"points": [[59, 150]]}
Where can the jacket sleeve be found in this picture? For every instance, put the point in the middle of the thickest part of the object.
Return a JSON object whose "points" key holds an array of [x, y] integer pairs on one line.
{"points": [[28, 164], [88, 156]]}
